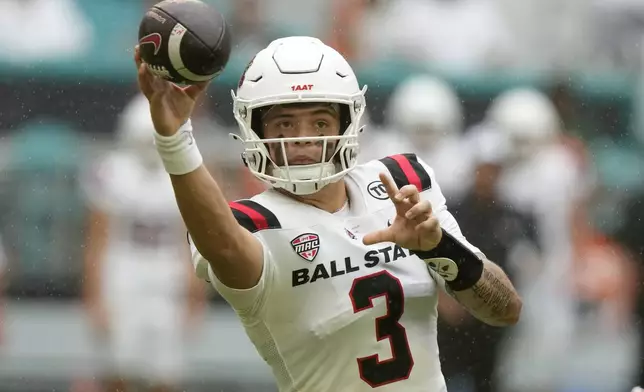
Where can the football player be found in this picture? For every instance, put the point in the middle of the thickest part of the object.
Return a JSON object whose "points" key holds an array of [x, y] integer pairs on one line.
{"points": [[547, 179], [335, 270], [427, 114], [134, 288]]}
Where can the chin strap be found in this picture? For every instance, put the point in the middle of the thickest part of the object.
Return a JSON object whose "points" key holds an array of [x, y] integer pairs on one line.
{"points": [[303, 173]]}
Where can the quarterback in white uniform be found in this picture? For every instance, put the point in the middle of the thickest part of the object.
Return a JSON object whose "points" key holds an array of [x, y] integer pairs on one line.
{"points": [[328, 269]]}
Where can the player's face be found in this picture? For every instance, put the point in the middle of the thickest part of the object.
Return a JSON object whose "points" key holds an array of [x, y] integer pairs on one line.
{"points": [[301, 120]]}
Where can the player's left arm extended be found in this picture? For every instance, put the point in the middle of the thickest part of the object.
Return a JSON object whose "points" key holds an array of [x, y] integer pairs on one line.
{"points": [[478, 284], [435, 237], [468, 276]]}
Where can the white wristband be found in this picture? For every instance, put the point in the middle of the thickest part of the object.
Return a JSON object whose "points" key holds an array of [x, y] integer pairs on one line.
{"points": [[179, 152]]}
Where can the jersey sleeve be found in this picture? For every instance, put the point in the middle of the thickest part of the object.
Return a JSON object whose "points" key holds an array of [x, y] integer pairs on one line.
{"points": [[409, 169], [255, 218], [246, 301]]}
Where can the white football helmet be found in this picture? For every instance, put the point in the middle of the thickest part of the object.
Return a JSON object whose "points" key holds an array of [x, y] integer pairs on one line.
{"points": [[299, 70], [135, 131], [527, 116], [425, 104], [488, 145]]}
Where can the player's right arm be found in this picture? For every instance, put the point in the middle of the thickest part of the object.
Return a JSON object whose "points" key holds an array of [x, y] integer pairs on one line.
{"points": [[234, 255]]}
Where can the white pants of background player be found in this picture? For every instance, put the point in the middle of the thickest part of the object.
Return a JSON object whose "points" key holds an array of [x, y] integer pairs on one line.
{"points": [[146, 341]]}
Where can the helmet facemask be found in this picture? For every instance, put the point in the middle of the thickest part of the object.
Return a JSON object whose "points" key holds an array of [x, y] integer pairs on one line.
{"points": [[268, 158]]}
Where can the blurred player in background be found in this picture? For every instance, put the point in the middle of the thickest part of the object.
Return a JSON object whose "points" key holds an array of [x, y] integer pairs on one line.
{"points": [[140, 296], [425, 115], [543, 177], [511, 239], [335, 270], [605, 280]]}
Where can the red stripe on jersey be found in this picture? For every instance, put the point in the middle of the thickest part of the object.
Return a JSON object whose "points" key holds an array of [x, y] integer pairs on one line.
{"points": [[408, 170], [258, 219]]}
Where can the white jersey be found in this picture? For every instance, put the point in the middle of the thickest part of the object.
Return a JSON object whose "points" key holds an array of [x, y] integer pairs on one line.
{"points": [[330, 313], [145, 234]]}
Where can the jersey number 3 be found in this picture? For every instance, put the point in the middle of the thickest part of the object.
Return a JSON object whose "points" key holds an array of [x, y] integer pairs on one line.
{"points": [[372, 370]]}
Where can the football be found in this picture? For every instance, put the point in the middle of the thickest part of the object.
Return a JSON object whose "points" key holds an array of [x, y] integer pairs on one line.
{"points": [[184, 41]]}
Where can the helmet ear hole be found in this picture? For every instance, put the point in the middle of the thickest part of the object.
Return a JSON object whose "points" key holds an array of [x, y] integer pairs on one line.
{"points": [[346, 155], [257, 161], [253, 160]]}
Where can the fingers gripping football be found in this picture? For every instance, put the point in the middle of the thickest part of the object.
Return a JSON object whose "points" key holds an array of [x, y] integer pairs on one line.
{"points": [[151, 84], [147, 82], [170, 105]]}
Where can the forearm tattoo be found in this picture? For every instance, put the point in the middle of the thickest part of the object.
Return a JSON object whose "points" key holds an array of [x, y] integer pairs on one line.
{"points": [[494, 293], [491, 298]]}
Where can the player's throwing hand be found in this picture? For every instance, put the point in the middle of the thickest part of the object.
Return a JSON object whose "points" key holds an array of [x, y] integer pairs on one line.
{"points": [[170, 105], [414, 226]]}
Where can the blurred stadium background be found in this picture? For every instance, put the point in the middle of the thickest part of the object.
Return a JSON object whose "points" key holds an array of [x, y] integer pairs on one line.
{"points": [[66, 74]]}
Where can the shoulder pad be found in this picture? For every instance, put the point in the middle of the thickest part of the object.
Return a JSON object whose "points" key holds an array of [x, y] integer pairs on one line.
{"points": [[253, 216], [406, 169]]}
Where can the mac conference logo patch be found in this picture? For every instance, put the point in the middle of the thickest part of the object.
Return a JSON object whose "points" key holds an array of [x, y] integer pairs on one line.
{"points": [[306, 246]]}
